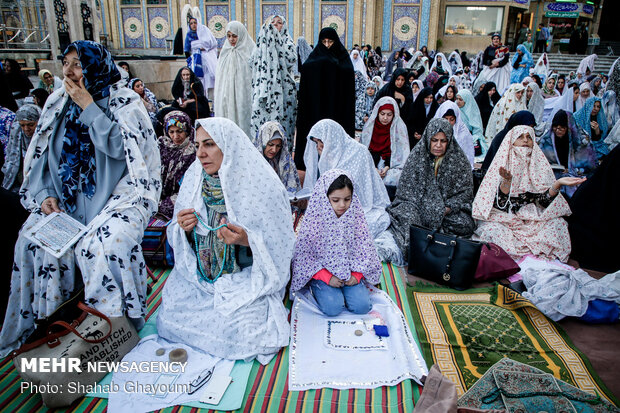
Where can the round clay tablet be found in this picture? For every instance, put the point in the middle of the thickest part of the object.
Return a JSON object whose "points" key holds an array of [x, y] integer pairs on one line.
{"points": [[358, 332], [160, 352], [178, 355]]}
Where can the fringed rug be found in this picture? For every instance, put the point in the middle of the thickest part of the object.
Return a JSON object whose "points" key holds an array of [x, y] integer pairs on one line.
{"points": [[267, 389], [466, 332]]}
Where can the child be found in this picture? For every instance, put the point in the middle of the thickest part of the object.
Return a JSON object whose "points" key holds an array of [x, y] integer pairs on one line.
{"points": [[334, 253], [371, 89]]}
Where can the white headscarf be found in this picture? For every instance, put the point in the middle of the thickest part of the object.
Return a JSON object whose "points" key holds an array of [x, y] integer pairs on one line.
{"points": [[420, 87], [343, 152], [240, 315], [399, 139], [412, 62], [233, 80], [444, 64], [504, 109], [358, 63], [581, 100], [587, 63], [536, 105], [459, 61], [461, 133], [542, 67]]}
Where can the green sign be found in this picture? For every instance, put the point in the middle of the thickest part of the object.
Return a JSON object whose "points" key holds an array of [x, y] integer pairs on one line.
{"points": [[569, 14]]}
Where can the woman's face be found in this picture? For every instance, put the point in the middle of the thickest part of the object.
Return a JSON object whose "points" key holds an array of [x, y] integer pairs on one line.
{"points": [[319, 145], [495, 41], [520, 52], [193, 24], [273, 148], [452, 82], [428, 100], [277, 23], [451, 119], [561, 83], [185, 75], [370, 91], [386, 116], [232, 38], [340, 200], [585, 93], [559, 131], [28, 127], [207, 152], [138, 87], [415, 88], [439, 144], [529, 93], [449, 94], [596, 108], [327, 42], [519, 94], [176, 134], [459, 101], [525, 140], [550, 83], [492, 92], [575, 94], [48, 78], [439, 59], [71, 67], [399, 82]]}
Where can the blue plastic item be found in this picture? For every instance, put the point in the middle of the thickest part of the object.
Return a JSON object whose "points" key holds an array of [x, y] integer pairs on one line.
{"points": [[381, 331]]}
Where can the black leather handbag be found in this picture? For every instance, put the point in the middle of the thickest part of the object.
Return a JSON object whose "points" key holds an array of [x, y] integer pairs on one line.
{"points": [[443, 258]]}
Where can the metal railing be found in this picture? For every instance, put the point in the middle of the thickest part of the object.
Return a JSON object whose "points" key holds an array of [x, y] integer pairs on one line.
{"points": [[24, 38]]}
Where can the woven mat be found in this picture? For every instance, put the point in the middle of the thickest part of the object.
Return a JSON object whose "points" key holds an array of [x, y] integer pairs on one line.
{"points": [[267, 389], [466, 332]]}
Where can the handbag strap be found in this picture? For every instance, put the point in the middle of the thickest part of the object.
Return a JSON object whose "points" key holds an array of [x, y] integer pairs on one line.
{"points": [[71, 327]]}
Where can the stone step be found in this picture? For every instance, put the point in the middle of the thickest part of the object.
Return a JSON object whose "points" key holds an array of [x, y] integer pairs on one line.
{"points": [[565, 63]]}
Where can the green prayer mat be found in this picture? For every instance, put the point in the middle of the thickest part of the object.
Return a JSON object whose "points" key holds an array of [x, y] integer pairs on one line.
{"points": [[466, 332]]}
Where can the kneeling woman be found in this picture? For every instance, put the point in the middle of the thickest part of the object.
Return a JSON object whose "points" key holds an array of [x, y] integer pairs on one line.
{"points": [[112, 187], [518, 205], [233, 242], [334, 253], [436, 187], [385, 135]]}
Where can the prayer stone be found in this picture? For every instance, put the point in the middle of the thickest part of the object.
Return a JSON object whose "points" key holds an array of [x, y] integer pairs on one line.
{"points": [[178, 354], [358, 332], [160, 352]]}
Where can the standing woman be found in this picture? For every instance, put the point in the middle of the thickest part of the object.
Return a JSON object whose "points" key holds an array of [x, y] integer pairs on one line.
{"points": [[112, 187], [303, 51], [375, 62], [326, 90], [274, 96], [202, 46], [233, 79], [358, 64], [536, 105], [496, 68], [393, 63]]}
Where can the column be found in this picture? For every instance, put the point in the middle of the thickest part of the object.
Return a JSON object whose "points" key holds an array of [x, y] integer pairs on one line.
{"points": [[52, 28], [97, 29], [74, 18]]}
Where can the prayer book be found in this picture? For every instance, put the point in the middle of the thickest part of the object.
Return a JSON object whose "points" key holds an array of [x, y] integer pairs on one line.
{"points": [[56, 233], [305, 193]]}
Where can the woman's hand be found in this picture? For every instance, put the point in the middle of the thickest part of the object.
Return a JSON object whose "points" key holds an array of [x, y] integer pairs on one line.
{"points": [[233, 234], [186, 219], [399, 96], [78, 93], [351, 282], [417, 135], [447, 211], [49, 205], [336, 282], [565, 181], [594, 126], [383, 172], [505, 173]]}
